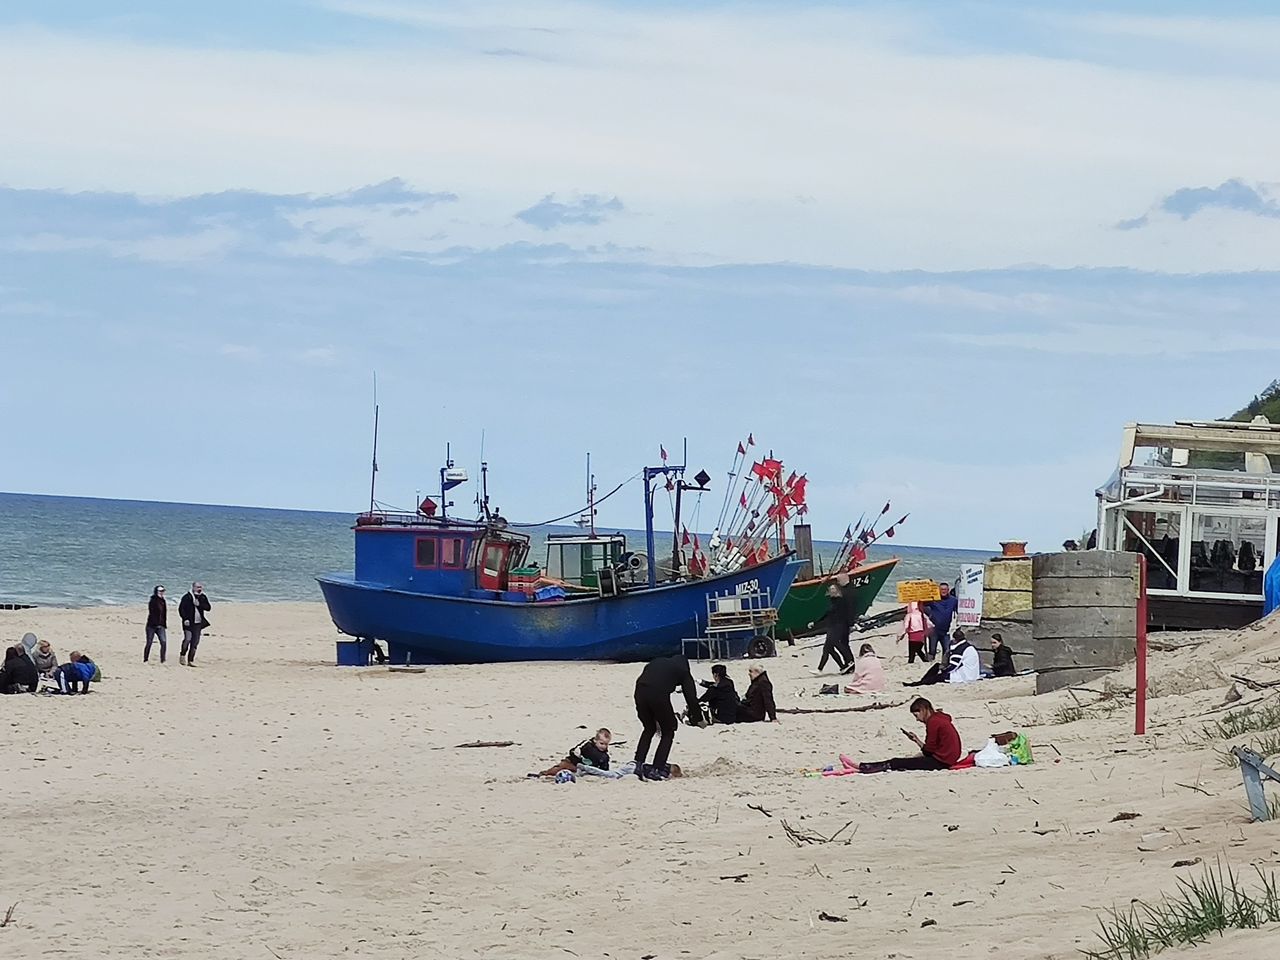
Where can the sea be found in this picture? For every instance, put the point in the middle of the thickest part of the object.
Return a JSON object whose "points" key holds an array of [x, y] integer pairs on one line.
{"points": [[80, 551]]}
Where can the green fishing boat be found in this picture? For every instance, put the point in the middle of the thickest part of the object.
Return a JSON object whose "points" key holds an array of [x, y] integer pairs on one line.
{"points": [[806, 601]]}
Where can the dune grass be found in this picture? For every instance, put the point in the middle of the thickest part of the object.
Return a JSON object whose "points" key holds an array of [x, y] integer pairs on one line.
{"points": [[1211, 904]]}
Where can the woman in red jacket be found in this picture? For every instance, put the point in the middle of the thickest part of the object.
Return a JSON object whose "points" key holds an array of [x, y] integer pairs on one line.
{"points": [[939, 750]]}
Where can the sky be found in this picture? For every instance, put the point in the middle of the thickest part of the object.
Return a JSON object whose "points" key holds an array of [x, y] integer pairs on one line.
{"points": [[936, 253]]}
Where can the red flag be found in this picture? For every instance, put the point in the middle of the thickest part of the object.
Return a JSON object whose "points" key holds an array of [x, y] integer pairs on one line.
{"points": [[798, 491], [696, 545], [758, 470], [742, 451], [791, 479], [889, 533], [662, 452], [763, 553], [743, 500], [684, 536], [728, 544], [751, 439], [859, 554]]}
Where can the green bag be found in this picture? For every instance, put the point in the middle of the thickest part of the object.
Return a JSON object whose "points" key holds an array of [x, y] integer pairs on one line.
{"points": [[1020, 750]]}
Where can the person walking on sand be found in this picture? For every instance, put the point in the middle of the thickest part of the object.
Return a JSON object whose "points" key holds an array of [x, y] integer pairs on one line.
{"points": [[837, 623], [157, 624], [192, 609], [654, 687], [915, 627]]}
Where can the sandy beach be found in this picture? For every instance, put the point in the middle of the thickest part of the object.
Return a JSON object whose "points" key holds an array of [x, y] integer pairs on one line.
{"points": [[269, 804]]}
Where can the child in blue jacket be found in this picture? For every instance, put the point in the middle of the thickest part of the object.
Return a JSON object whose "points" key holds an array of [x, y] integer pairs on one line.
{"points": [[78, 670]]}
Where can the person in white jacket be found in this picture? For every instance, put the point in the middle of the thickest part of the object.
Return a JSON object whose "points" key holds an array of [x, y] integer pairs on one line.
{"points": [[964, 660]]}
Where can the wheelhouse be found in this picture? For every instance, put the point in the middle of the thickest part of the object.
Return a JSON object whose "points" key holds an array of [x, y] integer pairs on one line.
{"points": [[578, 558], [446, 557]]}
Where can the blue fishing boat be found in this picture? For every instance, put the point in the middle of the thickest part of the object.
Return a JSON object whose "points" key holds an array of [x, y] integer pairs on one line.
{"points": [[443, 590]]}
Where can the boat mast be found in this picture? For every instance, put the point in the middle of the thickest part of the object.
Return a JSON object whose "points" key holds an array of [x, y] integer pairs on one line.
{"points": [[444, 491], [591, 495], [373, 474]]}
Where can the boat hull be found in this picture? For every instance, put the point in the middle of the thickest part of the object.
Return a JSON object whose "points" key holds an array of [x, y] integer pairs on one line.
{"points": [[807, 599], [638, 625]]}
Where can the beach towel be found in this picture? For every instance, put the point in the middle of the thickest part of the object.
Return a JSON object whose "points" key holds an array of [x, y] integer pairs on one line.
{"points": [[847, 767]]}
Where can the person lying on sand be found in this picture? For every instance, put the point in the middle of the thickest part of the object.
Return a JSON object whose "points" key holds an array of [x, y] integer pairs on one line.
{"points": [[939, 750], [590, 753], [868, 673]]}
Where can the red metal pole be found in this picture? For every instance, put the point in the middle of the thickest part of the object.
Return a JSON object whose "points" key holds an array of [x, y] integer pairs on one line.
{"points": [[1140, 698]]}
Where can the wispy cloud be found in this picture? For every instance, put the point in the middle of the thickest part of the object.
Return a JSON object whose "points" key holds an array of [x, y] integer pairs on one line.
{"points": [[588, 210], [202, 225], [1232, 194]]}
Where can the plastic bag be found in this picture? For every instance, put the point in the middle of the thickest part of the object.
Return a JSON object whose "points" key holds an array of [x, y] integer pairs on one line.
{"points": [[1020, 750], [990, 756]]}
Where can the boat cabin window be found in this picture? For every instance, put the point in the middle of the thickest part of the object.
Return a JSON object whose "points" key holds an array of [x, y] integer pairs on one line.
{"points": [[451, 555], [425, 555], [579, 562]]}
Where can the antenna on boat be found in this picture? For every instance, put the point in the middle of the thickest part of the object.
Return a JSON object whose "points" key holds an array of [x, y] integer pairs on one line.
{"points": [[373, 474], [591, 495], [482, 495]]}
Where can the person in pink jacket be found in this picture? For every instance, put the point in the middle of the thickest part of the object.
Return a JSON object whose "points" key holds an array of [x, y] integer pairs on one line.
{"points": [[915, 627], [868, 674]]}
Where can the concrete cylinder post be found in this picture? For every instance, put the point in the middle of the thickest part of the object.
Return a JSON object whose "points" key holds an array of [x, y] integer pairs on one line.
{"points": [[1084, 615]]}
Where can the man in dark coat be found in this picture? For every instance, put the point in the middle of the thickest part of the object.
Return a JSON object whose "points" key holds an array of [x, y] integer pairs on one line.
{"points": [[942, 611], [836, 620], [657, 681], [192, 609]]}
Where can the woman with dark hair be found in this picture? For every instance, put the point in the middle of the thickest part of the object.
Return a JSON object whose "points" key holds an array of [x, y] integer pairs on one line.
{"points": [[721, 698], [939, 750], [157, 623]]}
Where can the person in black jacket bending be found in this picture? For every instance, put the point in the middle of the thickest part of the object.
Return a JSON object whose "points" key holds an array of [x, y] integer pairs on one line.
{"points": [[657, 681], [758, 704], [192, 609], [721, 697], [838, 623], [157, 624]]}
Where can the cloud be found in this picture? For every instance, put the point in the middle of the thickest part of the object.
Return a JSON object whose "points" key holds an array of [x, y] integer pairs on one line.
{"points": [[207, 224], [588, 210], [1232, 194]]}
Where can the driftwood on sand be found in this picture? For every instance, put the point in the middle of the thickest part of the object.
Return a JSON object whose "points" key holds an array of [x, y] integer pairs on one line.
{"points": [[862, 709]]}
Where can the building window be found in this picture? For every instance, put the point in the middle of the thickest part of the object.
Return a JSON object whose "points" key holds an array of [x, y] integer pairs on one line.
{"points": [[426, 552], [1157, 535], [1228, 553]]}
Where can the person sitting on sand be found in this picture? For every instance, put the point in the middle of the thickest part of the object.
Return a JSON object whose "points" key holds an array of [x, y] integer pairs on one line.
{"points": [[46, 660], [915, 627], [721, 698], [758, 704], [964, 664], [78, 670], [589, 753], [868, 674], [654, 687], [1002, 658], [837, 622], [939, 750], [19, 674]]}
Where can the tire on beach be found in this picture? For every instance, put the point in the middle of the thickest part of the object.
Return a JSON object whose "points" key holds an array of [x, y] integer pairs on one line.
{"points": [[761, 648]]}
